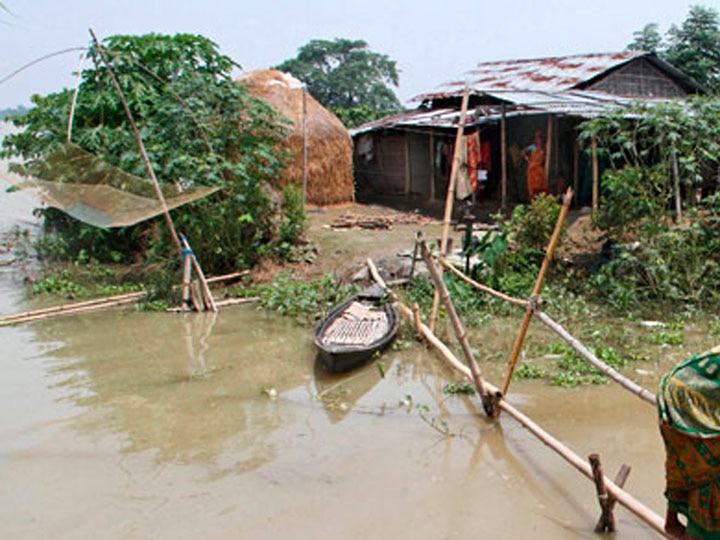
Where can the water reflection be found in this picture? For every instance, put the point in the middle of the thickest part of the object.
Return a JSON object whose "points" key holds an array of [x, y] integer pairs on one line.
{"points": [[183, 386]]}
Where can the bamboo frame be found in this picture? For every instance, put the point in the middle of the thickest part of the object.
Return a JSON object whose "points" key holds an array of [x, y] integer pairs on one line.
{"points": [[639, 391], [641, 511], [536, 290]]}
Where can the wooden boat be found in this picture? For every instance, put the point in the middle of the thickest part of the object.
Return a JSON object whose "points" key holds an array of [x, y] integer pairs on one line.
{"points": [[355, 330]]}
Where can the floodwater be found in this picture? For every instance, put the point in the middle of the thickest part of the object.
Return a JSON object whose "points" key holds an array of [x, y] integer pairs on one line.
{"points": [[129, 425]]}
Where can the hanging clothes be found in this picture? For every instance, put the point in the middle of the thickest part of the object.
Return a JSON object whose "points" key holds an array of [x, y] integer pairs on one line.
{"points": [[474, 159]]}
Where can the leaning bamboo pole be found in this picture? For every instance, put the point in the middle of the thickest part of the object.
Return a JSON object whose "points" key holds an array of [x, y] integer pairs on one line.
{"points": [[536, 290], [488, 401], [642, 393], [644, 513], [451, 192], [208, 298]]}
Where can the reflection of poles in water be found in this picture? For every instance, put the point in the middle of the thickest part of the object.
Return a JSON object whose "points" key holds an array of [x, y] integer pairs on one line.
{"points": [[196, 354]]}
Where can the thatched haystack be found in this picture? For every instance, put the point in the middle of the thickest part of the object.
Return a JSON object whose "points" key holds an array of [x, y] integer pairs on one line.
{"points": [[329, 145]]}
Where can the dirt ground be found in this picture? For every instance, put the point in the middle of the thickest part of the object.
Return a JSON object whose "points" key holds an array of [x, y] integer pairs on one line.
{"points": [[385, 235]]}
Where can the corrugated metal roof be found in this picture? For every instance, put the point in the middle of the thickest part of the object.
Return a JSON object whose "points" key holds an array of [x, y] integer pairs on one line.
{"points": [[555, 74], [578, 103]]}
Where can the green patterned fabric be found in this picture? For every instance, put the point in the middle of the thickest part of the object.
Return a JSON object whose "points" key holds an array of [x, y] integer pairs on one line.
{"points": [[689, 398], [689, 409]]}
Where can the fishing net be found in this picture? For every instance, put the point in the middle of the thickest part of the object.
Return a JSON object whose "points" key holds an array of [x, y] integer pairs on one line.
{"points": [[94, 192]]}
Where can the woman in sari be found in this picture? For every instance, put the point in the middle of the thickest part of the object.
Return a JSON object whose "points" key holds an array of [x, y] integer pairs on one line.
{"points": [[537, 182], [689, 410]]}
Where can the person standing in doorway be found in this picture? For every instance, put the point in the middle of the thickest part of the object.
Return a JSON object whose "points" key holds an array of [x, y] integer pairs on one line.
{"points": [[536, 175]]}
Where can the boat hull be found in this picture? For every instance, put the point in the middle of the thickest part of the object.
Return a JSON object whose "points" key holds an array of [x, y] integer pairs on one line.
{"points": [[340, 357]]}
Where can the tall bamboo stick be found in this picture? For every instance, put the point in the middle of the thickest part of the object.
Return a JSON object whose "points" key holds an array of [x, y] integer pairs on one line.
{"points": [[450, 195], [141, 145], [595, 173], [536, 290], [644, 513], [503, 157], [489, 402]]}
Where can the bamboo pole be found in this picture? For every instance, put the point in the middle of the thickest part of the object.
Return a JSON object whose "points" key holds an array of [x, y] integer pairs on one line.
{"points": [[536, 290], [625, 499], [626, 383], [595, 173], [676, 186], [305, 144], [489, 402], [187, 271], [71, 309], [489, 290], [503, 157], [548, 147], [450, 195], [66, 307], [141, 145]]}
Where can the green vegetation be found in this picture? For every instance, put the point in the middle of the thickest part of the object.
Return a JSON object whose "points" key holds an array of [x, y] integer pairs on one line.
{"points": [[347, 78], [692, 47], [199, 128]]}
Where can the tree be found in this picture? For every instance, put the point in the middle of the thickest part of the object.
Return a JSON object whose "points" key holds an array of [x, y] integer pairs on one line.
{"points": [[648, 39], [198, 126], [347, 78], [694, 47]]}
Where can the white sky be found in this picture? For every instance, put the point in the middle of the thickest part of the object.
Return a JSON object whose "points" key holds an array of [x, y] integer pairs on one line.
{"points": [[431, 41]]}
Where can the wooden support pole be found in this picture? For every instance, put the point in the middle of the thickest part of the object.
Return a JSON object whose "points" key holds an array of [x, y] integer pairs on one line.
{"points": [[503, 157], [607, 517], [548, 147], [536, 291], [488, 400], [620, 479], [595, 174], [450, 195], [625, 499], [186, 277]]}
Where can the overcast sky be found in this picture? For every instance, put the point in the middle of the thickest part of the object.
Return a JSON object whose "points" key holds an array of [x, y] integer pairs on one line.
{"points": [[431, 41]]}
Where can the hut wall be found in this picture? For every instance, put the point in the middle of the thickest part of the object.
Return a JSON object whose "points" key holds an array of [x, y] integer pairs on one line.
{"points": [[382, 171], [641, 79], [419, 164]]}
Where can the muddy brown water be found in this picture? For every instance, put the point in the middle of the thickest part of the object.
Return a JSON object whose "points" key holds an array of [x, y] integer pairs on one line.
{"points": [[130, 425]]}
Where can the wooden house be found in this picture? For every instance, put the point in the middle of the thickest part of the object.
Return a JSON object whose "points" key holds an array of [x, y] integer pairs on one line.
{"points": [[407, 155]]}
